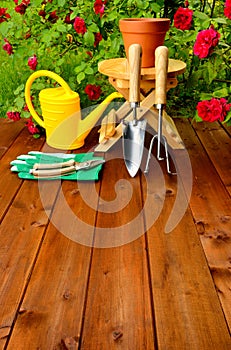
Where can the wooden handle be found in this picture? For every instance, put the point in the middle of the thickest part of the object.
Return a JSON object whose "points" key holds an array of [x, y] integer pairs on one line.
{"points": [[68, 163], [135, 52], [52, 172], [161, 66]]}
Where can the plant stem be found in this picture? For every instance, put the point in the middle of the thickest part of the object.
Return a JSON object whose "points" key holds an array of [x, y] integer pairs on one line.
{"points": [[212, 9]]}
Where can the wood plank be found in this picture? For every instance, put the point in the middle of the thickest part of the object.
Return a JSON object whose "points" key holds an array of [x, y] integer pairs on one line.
{"points": [[217, 143], [51, 311], [22, 228], [21, 233], [211, 206], [119, 68], [10, 182], [151, 115], [187, 311], [118, 310], [9, 131]]}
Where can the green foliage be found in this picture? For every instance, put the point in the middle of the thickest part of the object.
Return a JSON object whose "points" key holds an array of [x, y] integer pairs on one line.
{"points": [[75, 57]]}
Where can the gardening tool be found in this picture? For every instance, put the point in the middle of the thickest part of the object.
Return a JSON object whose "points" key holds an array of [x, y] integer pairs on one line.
{"points": [[134, 130], [62, 114], [54, 169], [161, 65], [88, 165]]}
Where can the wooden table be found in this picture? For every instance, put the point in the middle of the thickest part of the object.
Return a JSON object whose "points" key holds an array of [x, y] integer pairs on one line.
{"points": [[160, 291], [117, 71]]}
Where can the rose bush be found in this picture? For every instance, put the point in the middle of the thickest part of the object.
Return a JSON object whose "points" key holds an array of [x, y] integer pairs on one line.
{"points": [[214, 109], [71, 37]]}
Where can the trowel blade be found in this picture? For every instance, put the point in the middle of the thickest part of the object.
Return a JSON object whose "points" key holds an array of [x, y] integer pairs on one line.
{"points": [[133, 144]]}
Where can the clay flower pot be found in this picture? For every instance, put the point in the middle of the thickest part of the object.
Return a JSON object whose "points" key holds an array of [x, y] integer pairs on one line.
{"points": [[148, 32]]}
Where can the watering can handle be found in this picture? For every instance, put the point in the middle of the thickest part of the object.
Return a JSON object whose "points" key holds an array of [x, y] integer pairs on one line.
{"points": [[35, 75]]}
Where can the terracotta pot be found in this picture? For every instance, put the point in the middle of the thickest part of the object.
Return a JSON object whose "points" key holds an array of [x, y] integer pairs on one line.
{"points": [[148, 32]]}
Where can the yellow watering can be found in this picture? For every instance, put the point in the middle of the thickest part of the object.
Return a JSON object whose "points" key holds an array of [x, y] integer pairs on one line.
{"points": [[62, 113]]}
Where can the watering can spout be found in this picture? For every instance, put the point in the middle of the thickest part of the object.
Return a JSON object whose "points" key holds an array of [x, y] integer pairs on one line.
{"points": [[62, 114], [86, 124]]}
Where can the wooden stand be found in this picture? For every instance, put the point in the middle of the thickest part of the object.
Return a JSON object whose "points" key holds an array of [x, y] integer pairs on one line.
{"points": [[117, 71]]}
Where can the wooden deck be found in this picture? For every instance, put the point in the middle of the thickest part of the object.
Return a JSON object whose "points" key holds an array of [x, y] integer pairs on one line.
{"points": [[161, 291]]}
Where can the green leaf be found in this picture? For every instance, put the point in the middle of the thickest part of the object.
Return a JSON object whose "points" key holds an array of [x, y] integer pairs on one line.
{"points": [[115, 45], [221, 93], [89, 38], [36, 2], [201, 15], [220, 20], [61, 28], [4, 27], [80, 77], [212, 73], [196, 117], [89, 71], [155, 7], [93, 28], [80, 68], [205, 96], [36, 136], [20, 102], [61, 3], [19, 89], [46, 37], [60, 61], [228, 118], [112, 16]]}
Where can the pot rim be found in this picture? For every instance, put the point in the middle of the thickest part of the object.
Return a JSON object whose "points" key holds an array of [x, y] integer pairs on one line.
{"points": [[144, 19], [144, 25]]}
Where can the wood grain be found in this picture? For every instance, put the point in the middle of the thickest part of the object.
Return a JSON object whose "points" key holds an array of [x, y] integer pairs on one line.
{"points": [[118, 68], [10, 182], [51, 313], [135, 52], [161, 65], [9, 131], [184, 298], [211, 206], [217, 143], [118, 311], [63, 286]]}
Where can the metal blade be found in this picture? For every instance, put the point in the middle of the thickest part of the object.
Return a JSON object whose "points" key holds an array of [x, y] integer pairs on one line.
{"points": [[134, 130], [133, 145]]}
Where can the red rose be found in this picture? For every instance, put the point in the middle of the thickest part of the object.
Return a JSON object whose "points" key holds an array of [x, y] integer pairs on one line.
{"points": [[205, 42], [99, 7], [98, 38], [42, 13], [93, 91], [32, 62], [15, 116], [3, 15], [214, 109], [89, 53], [79, 25], [53, 17], [21, 8], [68, 19], [183, 18], [227, 9], [32, 127], [7, 47]]}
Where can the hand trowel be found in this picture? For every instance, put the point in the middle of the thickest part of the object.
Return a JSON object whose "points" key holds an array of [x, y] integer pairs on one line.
{"points": [[134, 129]]}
